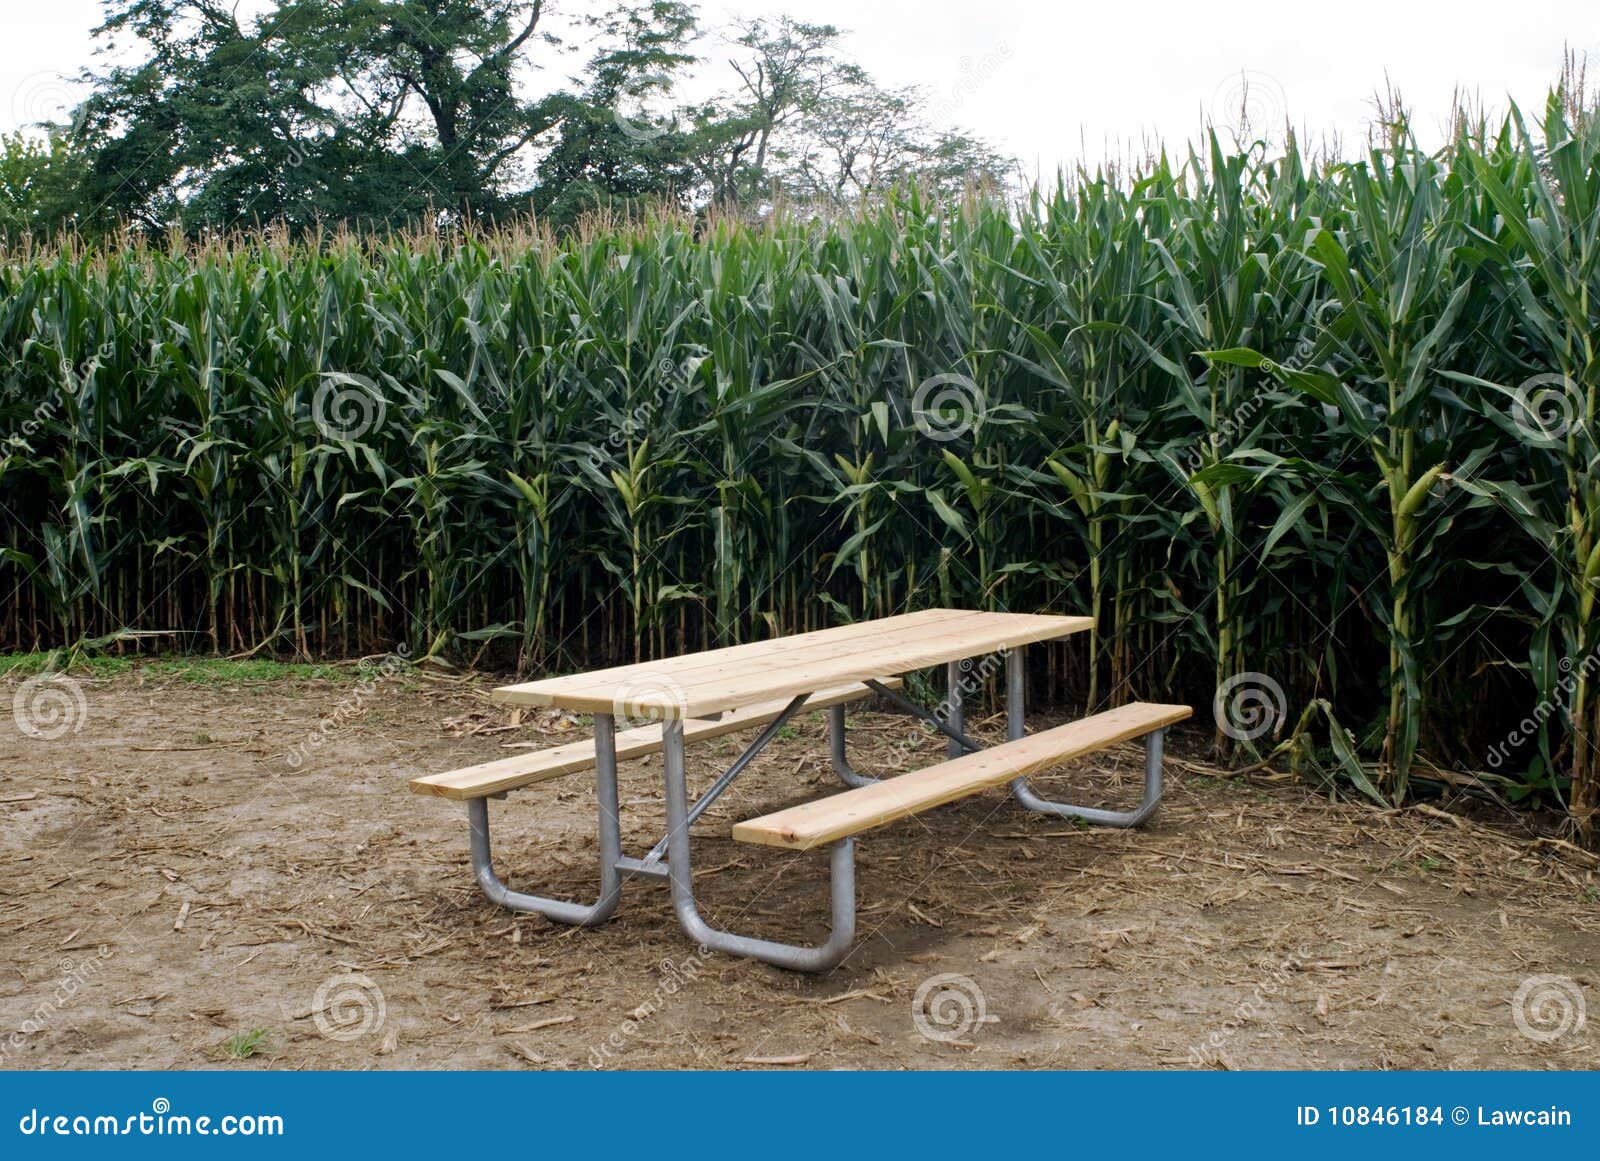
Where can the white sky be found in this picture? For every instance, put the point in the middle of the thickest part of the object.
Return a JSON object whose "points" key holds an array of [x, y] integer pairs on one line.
{"points": [[1053, 83]]}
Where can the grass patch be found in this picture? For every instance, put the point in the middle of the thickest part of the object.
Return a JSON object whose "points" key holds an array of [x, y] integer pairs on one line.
{"points": [[244, 1045], [201, 670]]}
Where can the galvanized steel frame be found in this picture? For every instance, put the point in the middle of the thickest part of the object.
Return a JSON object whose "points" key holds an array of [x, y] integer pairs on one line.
{"points": [[681, 815]]}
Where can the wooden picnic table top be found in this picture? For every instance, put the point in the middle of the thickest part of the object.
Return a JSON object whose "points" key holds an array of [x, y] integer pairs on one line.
{"points": [[699, 684]]}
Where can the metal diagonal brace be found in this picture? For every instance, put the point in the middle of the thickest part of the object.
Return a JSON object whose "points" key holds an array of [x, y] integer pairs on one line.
{"points": [[841, 858], [725, 780], [954, 733], [958, 743], [610, 846]]}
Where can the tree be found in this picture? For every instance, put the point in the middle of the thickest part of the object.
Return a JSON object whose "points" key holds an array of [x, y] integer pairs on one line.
{"points": [[786, 68], [611, 150], [802, 122], [380, 113], [863, 140], [39, 178], [370, 110]]}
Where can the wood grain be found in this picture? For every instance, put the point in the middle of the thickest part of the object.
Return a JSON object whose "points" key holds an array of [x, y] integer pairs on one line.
{"points": [[705, 683], [827, 820], [570, 757]]}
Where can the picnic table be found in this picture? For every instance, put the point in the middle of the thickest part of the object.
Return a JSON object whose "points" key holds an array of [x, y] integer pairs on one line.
{"points": [[702, 695]]}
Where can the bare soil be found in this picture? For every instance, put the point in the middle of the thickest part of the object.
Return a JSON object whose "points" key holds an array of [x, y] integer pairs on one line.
{"points": [[174, 888]]}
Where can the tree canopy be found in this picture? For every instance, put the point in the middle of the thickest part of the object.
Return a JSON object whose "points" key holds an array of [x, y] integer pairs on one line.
{"points": [[382, 113]]}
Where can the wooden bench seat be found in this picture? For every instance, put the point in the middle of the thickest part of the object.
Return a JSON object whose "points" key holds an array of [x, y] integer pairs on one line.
{"points": [[504, 774], [827, 820]]}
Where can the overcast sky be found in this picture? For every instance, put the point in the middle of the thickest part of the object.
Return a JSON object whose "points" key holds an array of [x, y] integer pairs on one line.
{"points": [[1053, 83]]}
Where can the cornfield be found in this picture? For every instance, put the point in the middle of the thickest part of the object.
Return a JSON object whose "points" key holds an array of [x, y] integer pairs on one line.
{"points": [[1321, 436]]}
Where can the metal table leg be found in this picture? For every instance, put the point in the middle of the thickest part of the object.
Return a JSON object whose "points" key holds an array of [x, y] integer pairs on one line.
{"points": [[955, 709], [725, 780], [1016, 694], [841, 764], [610, 833], [841, 857], [949, 719]]}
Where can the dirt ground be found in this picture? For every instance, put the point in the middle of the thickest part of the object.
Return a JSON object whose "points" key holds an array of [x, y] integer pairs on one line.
{"points": [[177, 894]]}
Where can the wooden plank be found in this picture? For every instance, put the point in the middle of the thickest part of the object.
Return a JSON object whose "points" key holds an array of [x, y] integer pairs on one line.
{"points": [[967, 631], [704, 683], [570, 757], [690, 667], [827, 820], [788, 676], [759, 656]]}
